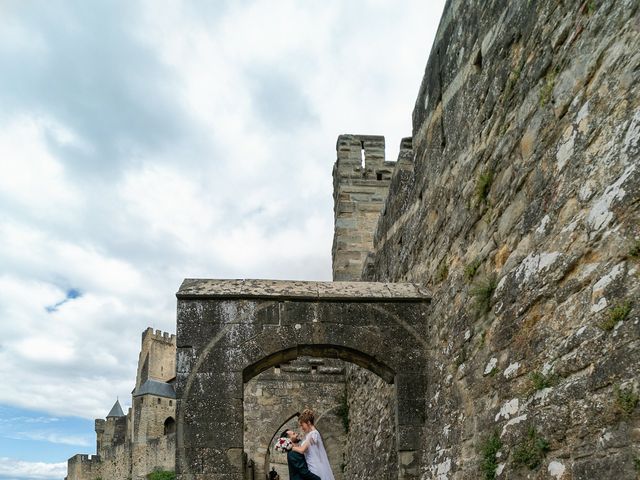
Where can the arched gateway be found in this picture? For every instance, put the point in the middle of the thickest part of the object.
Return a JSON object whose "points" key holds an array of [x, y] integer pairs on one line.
{"points": [[231, 330]]}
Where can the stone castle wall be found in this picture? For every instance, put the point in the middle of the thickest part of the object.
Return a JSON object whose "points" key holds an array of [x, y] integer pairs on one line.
{"points": [[134, 445], [370, 450], [521, 212], [361, 186]]}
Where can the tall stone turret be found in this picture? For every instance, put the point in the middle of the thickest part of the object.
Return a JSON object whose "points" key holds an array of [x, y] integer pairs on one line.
{"points": [[157, 359], [134, 444], [361, 179], [153, 410]]}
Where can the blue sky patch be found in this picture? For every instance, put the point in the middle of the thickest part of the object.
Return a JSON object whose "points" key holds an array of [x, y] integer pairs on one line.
{"points": [[72, 294], [30, 435]]}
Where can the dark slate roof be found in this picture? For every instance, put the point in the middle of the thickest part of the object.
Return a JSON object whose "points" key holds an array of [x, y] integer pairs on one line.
{"points": [[154, 387], [116, 410]]}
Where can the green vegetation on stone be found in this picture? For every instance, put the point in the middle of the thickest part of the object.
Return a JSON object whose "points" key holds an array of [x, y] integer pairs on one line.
{"points": [[482, 292], [442, 273], [530, 452], [540, 381], [471, 269], [489, 450], [547, 88], [514, 76], [343, 412], [161, 475], [616, 314], [483, 186], [483, 336], [634, 252], [626, 400]]}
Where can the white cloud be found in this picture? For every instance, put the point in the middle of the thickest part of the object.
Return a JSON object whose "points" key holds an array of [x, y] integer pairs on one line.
{"points": [[21, 470], [181, 141], [31, 175], [53, 437]]}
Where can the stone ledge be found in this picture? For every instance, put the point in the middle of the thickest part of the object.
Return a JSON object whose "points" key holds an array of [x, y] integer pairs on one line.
{"points": [[303, 290]]}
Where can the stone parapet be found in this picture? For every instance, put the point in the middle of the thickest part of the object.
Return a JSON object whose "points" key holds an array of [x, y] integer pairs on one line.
{"points": [[361, 178], [522, 217]]}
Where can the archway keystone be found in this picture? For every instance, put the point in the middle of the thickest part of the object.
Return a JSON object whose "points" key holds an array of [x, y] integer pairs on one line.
{"points": [[230, 330]]}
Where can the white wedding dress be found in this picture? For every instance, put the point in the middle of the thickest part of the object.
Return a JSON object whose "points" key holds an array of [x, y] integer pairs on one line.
{"points": [[316, 456]]}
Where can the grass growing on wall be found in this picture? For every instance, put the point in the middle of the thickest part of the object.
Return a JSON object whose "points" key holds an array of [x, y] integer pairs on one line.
{"points": [[489, 450], [442, 273], [471, 269], [616, 314], [343, 412], [483, 186], [626, 400], [161, 475], [530, 452], [547, 89], [482, 292], [540, 381]]}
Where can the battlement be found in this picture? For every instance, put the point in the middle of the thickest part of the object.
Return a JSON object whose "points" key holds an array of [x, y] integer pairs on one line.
{"points": [[362, 156], [157, 357], [406, 149], [84, 458], [361, 179], [159, 336]]}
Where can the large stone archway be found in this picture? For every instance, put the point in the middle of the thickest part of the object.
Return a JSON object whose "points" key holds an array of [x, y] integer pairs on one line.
{"points": [[231, 330]]}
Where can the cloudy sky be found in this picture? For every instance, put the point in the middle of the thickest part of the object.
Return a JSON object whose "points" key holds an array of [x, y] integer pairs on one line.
{"points": [[142, 142]]}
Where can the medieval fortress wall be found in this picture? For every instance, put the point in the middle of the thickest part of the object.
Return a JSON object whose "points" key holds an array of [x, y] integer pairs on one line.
{"points": [[144, 440], [521, 212]]}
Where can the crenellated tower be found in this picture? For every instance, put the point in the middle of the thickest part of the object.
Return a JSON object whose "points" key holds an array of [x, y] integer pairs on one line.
{"points": [[157, 359], [361, 179], [134, 444]]}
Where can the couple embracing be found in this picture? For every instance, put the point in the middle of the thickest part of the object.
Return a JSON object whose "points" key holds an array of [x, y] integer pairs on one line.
{"points": [[306, 458]]}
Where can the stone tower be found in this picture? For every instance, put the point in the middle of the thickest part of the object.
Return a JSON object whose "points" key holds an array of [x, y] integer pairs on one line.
{"points": [[157, 359], [134, 444], [361, 179], [154, 403]]}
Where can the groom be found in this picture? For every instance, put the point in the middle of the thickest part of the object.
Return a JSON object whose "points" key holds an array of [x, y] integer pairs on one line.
{"points": [[298, 469]]}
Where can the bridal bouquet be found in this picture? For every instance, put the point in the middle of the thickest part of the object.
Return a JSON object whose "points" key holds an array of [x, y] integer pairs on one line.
{"points": [[283, 445]]}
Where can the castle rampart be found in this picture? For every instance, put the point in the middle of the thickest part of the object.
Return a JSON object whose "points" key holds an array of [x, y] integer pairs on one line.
{"points": [[361, 179], [521, 213], [131, 446]]}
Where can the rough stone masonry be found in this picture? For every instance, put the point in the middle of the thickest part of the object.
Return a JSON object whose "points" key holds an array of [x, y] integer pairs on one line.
{"points": [[520, 211]]}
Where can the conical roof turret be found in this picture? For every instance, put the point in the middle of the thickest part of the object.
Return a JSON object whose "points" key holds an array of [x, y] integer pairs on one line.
{"points": [[116, 410]]}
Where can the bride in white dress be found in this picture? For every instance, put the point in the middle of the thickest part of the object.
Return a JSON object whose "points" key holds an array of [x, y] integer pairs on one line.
{"points": [[313, 448]]}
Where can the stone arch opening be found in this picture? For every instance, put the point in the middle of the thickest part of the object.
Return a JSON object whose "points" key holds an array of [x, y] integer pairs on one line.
{"points": [[320, 351], [276, 395], [229, 331], [169, 426]]}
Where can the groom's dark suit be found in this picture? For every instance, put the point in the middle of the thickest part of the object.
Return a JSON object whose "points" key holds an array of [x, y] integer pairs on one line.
{"points": [[298, 469]]}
